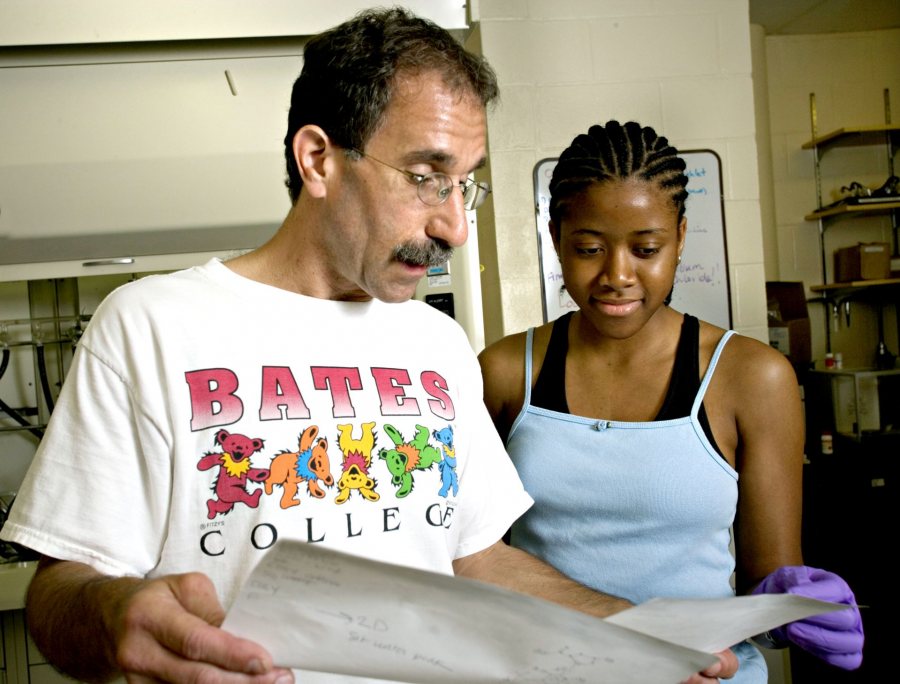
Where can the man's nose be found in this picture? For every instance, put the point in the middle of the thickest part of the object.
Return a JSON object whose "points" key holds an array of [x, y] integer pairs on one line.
{"points": [[448, 221]]}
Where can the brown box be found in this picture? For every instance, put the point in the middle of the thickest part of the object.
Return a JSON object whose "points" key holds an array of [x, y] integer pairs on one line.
{"points": [[789, 329], [864, 261]]}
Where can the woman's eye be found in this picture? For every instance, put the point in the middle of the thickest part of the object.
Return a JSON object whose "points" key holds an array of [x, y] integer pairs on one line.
{"points": [[588, 250], [646, 252]]}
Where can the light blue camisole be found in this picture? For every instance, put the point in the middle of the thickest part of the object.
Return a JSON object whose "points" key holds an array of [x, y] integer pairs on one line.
{"points": [[637, 510]]}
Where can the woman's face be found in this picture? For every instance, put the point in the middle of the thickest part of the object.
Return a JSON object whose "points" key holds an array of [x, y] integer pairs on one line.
{"points": [[618, 242]]}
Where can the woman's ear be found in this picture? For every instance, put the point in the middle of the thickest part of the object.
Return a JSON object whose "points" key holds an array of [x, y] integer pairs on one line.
{"points": [[554, 235], [682, 233], [313, 150]]}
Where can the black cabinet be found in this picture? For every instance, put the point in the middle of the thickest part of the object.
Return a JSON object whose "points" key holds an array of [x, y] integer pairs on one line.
{"points": [[850, 518]]}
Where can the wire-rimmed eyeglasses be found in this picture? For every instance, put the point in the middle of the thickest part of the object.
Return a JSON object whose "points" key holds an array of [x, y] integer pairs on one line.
{"points": [[434, 188]]}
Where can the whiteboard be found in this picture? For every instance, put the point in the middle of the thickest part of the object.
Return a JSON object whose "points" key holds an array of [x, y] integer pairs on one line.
{"points": [[702, 288]]}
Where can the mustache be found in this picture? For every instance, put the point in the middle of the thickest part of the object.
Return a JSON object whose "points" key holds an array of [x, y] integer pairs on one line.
{"points": [[430, 253]]}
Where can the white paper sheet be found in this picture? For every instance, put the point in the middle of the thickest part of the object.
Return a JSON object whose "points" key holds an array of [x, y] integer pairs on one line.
{"points": [[713, 625], [318, 609]]}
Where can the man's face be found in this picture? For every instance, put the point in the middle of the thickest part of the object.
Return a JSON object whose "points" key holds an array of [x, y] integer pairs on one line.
{"points": [[381, 230]]}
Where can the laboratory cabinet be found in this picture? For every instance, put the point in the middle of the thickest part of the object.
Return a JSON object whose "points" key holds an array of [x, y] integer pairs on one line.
{"points": [[850, 512], [851, 504], [54, 22], [23, 663], [112, 155], [20, 660]]}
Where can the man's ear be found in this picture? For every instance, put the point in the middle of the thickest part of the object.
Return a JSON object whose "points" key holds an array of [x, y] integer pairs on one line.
{"points": [[313, 152]]}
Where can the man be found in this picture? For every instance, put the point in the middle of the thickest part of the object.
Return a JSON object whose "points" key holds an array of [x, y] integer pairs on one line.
{"points": [[292, 392]]}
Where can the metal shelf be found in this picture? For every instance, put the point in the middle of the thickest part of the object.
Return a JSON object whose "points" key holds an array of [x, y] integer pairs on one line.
{"points": [[856, 209], [860, 135]]}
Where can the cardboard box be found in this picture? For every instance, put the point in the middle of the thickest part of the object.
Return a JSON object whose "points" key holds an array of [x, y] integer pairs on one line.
{"points": [[789, 328], [863, 261]]}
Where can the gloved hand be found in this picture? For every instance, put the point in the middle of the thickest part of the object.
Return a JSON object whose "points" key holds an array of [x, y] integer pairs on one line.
{"points": [[836, 638]]}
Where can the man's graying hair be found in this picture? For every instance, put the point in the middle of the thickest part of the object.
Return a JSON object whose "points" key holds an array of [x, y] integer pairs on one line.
{"points": [[349, 73], [617, 152]]}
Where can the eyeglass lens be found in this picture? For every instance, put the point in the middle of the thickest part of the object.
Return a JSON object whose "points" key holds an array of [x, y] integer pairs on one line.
{"points": [[435, 188]]}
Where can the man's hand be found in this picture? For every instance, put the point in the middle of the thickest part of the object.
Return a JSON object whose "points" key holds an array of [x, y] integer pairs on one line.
{"points": [[724, 669], [94, 627], [169, 630]]}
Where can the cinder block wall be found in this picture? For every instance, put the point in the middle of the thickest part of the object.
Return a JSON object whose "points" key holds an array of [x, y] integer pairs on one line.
{"points": [[848, 73], [681, 66]]}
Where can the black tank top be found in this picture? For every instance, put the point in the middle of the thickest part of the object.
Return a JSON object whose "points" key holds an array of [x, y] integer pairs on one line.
{"points": [[549, 391]]}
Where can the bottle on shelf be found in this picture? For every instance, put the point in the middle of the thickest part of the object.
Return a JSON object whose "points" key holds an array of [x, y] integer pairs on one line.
{"points": [[827, 443], [884, 360]]}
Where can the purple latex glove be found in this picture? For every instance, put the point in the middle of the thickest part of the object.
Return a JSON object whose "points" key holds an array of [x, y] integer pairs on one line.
{"points": [[836, 638]]}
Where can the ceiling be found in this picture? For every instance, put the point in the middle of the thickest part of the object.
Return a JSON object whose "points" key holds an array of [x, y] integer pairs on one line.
{"points": [[824, 16]]}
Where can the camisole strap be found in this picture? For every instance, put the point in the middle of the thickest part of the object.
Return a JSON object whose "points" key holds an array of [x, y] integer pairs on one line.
{"points": [[707, 377], [529, 344], [550, 387]]}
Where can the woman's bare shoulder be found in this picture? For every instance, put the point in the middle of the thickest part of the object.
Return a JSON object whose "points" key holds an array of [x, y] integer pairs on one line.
{"points": [[503, 364], [747, 362], [510, 350], [503, 353]]}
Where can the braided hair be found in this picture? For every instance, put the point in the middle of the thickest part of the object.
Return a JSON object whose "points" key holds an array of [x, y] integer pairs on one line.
{"points": [[617, 152]]}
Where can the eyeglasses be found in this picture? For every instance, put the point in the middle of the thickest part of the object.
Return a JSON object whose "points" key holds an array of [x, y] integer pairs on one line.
{"points": [[434, 188]]}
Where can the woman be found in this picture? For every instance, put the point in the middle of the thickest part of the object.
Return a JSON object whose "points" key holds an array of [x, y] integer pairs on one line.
{"points": [[642, 433]]}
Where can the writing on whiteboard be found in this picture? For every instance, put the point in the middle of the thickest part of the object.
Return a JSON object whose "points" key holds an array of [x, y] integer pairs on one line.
{"points": [[699, 273]]}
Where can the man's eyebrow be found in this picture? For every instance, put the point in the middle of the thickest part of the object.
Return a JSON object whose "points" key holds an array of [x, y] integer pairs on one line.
{"points": [[428, 157], [436, 158]]}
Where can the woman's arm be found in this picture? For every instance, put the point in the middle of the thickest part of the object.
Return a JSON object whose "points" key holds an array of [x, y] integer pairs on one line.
{"points": [[768, 418], [503, 370], [770, 462]]}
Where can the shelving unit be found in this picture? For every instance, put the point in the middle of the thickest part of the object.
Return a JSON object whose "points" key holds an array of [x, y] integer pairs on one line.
{"points": [[856, 406], [836, 295]]}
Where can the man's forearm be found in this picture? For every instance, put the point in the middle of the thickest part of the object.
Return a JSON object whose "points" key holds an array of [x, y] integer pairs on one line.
{"points": [[69, 609], [520, 571]]}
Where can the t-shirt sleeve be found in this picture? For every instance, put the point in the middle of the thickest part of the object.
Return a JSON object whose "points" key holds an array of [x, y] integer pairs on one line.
{"points": [[492, 496], [100, 479]]}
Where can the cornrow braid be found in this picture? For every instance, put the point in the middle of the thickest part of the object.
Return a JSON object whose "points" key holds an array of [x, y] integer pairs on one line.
{"points": [[617, 152]]}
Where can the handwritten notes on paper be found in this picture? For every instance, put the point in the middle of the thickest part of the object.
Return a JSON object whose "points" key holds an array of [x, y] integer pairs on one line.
{"points": [[321, 610]]}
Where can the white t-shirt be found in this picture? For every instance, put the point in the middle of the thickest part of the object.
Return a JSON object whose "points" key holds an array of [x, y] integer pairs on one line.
{"points": [[206, 415]]}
